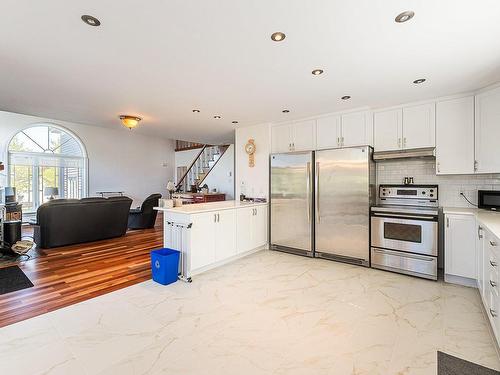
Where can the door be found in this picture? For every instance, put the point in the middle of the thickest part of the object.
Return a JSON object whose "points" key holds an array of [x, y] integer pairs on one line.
{"points": [[488, 131], [455, 131], [419, 126], [225, 230], [202, 237], [357, 129], [342, 203], [259, 226], [281, 138], [304, 135], [388, 129], [244, 224], [291, 201], [413, 234], [328, 132], [460, 246]]}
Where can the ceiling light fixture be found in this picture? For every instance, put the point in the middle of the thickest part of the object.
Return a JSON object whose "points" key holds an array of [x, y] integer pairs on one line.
{"points": [[278, 36], [317, 72], [419, 81], [285, 111], [234, 122], [217, 117], [130, 121], [91, 21], [196, 110], [345, 97], [405, 16]]}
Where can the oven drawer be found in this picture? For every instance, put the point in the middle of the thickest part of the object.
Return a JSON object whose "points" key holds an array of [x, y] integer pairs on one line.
{"points": [[410, 264], [411, 235]]}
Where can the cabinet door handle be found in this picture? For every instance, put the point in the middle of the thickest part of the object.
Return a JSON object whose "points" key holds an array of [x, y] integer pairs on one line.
{"points": [[493, 264], [479, 229], [338, 141], [399, 142], [342, 141], [492, 243], [493, 313], [218, 218], [475, 165], [493, 284], [404, 142], [215, 218], [447, 222], [438, 167]]}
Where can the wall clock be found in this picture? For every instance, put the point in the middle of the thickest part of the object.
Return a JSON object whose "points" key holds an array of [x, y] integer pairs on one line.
{"points": [[250, 150]]}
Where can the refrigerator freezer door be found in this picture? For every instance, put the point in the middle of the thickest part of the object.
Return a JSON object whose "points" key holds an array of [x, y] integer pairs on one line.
{"points": [[291, 202], [343, 204]]}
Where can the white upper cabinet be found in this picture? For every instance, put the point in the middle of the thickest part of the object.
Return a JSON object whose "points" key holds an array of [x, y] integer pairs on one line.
{"points": [[281, 138], [328, 132], [488, 131], [304, 135], [455, 136], [357, 129], [297, 136], [388, 129], [419, 126]]}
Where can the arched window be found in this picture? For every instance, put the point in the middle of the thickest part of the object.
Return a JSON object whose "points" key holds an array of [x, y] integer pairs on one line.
{"points": [[44, 156]]}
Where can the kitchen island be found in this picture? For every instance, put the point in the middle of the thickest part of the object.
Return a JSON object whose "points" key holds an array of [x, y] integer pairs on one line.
{"points": [[212, 234]]}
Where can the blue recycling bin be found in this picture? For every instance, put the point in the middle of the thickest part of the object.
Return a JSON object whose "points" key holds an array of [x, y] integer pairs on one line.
{"points": [[165, 265]]}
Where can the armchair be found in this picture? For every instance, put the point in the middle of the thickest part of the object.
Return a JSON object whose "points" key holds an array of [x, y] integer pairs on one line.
{"points": [[144, 217]]}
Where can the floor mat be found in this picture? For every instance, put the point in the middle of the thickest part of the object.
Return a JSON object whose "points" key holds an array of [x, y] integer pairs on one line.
{"points": [[13, 279], [450, 365]]}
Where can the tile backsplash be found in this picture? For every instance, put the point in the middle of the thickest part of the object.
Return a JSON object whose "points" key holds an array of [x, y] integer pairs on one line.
{"points": [[424, 172]]}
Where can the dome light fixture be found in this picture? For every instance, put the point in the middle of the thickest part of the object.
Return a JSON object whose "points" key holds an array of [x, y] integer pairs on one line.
{"points": [[91, 21], [419, 81], [130, 121], [345, 97], [317, 72], [278, 36], [405, 16]]}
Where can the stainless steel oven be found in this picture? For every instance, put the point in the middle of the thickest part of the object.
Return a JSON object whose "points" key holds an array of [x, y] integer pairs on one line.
{"points": [[404, 230]]}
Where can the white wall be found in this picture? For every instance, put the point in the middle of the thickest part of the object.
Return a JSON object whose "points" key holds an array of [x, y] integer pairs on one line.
{"points": [[118, 159], [253, 181], [220, 178], [424, 172]]}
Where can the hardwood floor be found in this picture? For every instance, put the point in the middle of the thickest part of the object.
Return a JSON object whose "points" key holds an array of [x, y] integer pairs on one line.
{"points": [[71, 274]]}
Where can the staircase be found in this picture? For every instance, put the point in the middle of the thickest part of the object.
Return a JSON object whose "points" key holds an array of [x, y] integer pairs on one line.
{"points": [[201, 167]]}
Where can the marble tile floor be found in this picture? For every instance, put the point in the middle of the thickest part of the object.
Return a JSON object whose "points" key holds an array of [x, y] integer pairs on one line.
{"points": [[268, 313]]}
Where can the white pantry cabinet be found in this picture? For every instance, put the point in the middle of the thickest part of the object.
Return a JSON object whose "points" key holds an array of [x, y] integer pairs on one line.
{"points": [[487, 133], [405, 128], [460, 247], [296, 136], [455, 136], [251, 228], [347, 130]]}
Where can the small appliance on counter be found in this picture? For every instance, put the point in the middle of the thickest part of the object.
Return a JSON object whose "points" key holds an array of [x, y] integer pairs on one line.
{"points": [[404, 230], [488, 199]]}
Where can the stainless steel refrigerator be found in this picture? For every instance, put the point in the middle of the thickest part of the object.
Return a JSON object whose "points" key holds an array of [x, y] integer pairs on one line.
{"points": [[320, 203]]}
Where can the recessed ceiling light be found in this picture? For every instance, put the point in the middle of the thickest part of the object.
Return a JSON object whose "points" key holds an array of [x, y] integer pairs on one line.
{"points": [[418, 81], [345, 97], [278, 36], [234, 122], [286, 111], [217, 117], [405, 16], [317, 72], [196, 110], [130, 121], [91, 21]]}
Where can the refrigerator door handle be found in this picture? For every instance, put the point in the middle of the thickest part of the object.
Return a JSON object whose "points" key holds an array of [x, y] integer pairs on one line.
{"points": [[316, 198], [308, 192]]}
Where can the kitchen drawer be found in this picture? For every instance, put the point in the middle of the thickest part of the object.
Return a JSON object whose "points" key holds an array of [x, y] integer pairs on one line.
{"points": [[492, 309], [398, 261], [493, 280]]}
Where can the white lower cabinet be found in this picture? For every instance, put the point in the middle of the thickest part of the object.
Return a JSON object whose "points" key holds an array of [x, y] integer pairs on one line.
{"points": [[490, 290], [460, 247], [251, 228]]}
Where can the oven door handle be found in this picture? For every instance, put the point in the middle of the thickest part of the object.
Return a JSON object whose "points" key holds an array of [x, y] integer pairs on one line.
{"points": [[404, 216], [404, 255]]}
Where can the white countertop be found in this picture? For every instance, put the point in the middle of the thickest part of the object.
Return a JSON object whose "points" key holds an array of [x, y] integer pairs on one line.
{"points": [[207, 207], [489, 219]]}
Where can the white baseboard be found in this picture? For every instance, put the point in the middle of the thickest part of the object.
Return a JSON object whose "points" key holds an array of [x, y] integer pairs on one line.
{"points": [[465, 281]]}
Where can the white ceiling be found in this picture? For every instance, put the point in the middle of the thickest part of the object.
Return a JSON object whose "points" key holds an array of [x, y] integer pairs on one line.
{"points": [[160, 59]]}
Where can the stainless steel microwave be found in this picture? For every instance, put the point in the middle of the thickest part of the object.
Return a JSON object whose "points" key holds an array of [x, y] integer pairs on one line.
{"points": [[489, 199]]}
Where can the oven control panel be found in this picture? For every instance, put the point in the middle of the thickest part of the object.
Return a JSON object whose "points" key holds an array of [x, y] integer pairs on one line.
{"points": [[416, 192]]}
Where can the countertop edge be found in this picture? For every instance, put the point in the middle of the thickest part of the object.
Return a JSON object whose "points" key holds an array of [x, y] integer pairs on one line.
{"points": [[178, 210]]}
